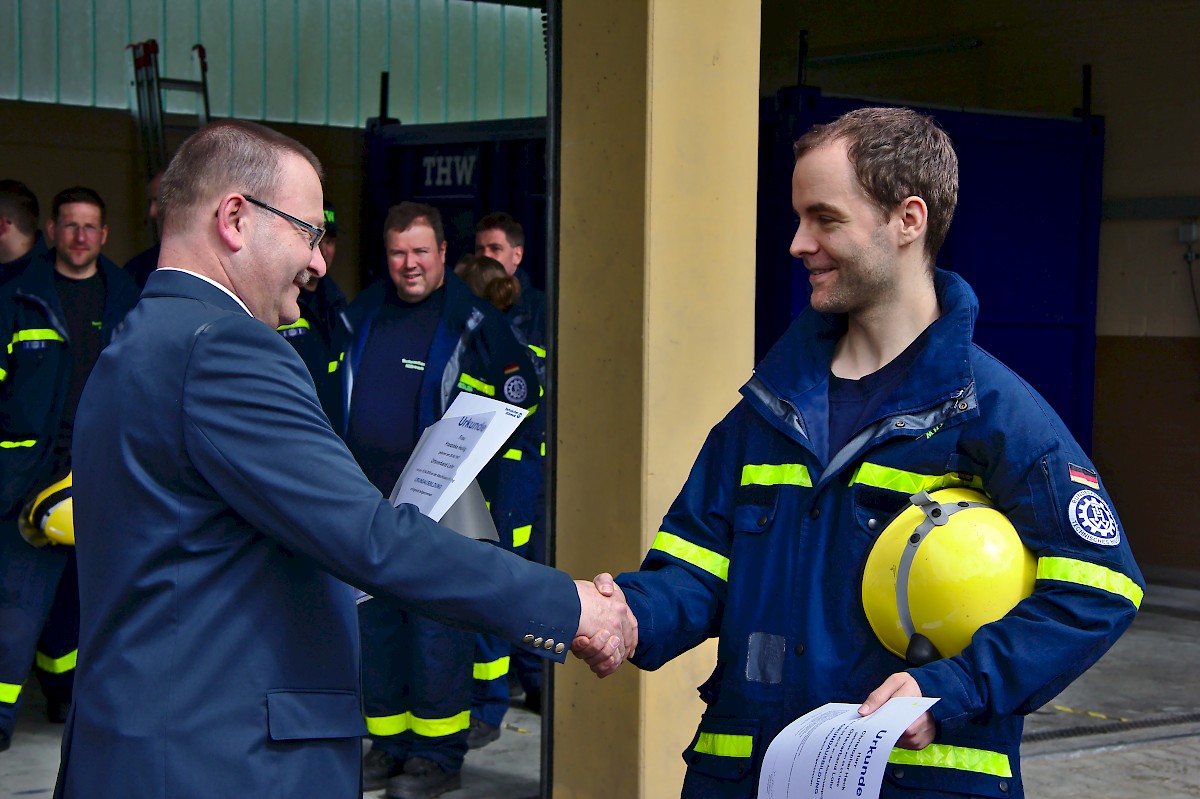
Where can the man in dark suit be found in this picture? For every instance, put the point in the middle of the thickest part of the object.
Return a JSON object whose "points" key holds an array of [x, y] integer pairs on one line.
{"points": [[220, 518]]}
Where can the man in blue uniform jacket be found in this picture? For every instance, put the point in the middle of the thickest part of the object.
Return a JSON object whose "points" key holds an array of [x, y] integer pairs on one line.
{"points": [[221, 522], [876, 393]]}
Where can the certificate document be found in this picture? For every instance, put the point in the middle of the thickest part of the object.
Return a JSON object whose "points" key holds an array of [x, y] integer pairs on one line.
{"points": [[453, 451], [834, 753]]}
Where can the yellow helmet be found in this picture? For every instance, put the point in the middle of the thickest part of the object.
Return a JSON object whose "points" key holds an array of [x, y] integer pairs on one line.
{"points": [[50, 517], [944, 567]]}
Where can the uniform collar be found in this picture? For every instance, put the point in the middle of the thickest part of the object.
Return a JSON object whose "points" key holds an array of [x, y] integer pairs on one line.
{"points": [[799, 362]]}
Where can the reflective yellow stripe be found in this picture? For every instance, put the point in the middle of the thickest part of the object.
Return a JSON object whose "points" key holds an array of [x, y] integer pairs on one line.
{"points": [[706, 559], [34, 334], [3, 375], [15, 444], [299, 323], [57, 665], [538, 351], [543, 449], [1068, 570], [521, 535], [711, 743], [513, 455], [532, 410], [961, 758], [9, 693], [333, 365], [909, 482], [428, 728], [491, 671], [466, 381], [436, 728], [775, 474]]}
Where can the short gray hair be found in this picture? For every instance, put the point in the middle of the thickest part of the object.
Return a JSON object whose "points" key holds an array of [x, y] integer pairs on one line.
{"points": [[230, 155]]}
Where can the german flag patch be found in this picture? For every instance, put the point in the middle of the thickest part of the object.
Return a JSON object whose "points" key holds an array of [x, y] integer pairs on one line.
{"points": [[511, 369], [1083, 476]]}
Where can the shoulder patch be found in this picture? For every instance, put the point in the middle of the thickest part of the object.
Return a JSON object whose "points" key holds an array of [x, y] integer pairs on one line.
{"points": [[1093, 519], [1083, 476], [516, 390]]}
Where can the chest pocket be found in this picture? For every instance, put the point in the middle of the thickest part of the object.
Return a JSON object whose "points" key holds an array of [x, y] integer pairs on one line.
{"points": [[880, 492], [757, 496]]}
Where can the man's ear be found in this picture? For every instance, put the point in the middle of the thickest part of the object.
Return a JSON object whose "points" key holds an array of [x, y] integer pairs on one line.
{"points": [[914, 216], [518, 254], [231, 221], [50, 229]]}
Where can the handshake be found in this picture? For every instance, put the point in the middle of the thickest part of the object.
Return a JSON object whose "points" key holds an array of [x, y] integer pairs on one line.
{"points": [[608, 631]]}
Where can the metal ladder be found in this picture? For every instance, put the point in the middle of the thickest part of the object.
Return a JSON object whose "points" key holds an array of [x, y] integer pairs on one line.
{"points": [[147, 87]]}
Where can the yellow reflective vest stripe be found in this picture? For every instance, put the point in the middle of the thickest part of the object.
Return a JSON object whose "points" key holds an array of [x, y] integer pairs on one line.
{"points": [[427, 728], [873, 474], [698, 556], [774, 474], [466, 381], [299, 323], [1080, 572], [16, 444], [59, 665], [512, 454], [961, 758], [34, 334], [491, 671], [712, 743], [521, 535]]}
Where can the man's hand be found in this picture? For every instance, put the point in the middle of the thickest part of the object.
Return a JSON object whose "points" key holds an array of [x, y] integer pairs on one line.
{"points": [[920, 733], [607, 628]]}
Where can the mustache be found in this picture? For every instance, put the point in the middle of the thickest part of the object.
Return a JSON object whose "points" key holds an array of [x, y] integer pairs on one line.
{"points": [[304, 278]]}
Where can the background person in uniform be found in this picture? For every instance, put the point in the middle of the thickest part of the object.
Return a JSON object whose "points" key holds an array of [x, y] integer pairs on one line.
{"points": [[421, 337], [488, 280], [323, 330], [498, 235], [874, 394], [222, 523], [57, 313], [20, 239], [141, 265]]}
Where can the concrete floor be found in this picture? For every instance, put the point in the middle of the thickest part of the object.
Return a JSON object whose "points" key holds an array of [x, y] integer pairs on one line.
{"points": [[1129, 728]]}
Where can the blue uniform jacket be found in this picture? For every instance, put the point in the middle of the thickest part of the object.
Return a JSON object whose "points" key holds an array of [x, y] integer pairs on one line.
{"points": [[473, 349], [35, 369], [219, 521], [765, 547], [320, 337]]}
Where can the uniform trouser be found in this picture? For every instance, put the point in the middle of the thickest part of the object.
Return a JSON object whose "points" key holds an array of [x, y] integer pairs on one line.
{"points": [[416, 683], [58, 647], [29, 579], [489, 698]]}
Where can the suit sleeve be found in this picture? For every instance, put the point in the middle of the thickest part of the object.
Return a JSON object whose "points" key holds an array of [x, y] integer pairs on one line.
{"points": [[1086, 594], [255, 430]]}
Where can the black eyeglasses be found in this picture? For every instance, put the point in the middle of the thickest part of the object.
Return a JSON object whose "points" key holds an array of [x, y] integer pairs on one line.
{"points": [[315, 233]]}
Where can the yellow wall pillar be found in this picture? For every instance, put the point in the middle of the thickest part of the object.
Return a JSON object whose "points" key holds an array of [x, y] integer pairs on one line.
{"points": [[656, 317]]}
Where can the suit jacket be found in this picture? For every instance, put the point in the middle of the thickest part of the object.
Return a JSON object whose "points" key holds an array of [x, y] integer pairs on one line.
{"points": [[219, 521]]}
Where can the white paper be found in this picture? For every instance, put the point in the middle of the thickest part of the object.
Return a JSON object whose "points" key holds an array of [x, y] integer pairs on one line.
{"points": [[450, 454], [452, 451], [833, 752]]}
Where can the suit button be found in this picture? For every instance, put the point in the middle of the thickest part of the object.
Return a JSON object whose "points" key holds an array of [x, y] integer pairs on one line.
{"points": [[872, 524], [799, 649], [898, 773], [762, 521], [815, 513], [529, 638], [1003, 786], [900, 423], [549, 643], [559, 649], [537, 641]]}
